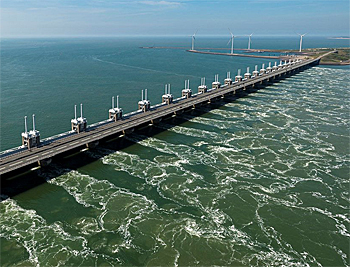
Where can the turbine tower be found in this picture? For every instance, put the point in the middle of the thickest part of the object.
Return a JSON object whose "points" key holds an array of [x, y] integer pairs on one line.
{"points": [[193, 38], [231, 40], [250, 40], [301, 40]]}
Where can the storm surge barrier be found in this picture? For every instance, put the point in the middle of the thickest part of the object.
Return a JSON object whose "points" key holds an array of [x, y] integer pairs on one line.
{"points": [[34, 151]]}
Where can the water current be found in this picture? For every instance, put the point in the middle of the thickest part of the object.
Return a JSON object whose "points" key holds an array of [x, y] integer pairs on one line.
{"points": [[259, 181]]}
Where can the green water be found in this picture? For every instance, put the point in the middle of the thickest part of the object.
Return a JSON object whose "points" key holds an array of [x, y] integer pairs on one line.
{"points": [[261, 181]]}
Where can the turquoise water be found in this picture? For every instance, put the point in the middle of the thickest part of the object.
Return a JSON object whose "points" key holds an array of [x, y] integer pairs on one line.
{"points": [[48, 77], [261, 181]]}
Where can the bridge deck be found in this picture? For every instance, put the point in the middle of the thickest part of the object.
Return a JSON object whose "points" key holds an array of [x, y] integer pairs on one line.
{"points": [[26, 157]]}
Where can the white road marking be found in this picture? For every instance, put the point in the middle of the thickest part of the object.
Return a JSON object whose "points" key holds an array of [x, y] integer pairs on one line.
{"points": [[13, 164], [31, 158], [60, 148]]}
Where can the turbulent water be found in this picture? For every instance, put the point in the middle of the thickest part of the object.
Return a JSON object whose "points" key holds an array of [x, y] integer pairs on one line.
{"points": [[260, 181]]}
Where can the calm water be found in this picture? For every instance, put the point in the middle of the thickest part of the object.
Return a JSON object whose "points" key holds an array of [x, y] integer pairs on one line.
{"points": [[261, 181]]}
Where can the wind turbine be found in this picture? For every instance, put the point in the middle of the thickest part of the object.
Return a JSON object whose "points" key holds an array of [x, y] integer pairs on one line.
{"points": [[250, 40], [231, 40], [301, 40], [193, 38]]}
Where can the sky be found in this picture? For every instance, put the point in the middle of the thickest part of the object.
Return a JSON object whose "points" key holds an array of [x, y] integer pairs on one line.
{"points": [[75, 18]]}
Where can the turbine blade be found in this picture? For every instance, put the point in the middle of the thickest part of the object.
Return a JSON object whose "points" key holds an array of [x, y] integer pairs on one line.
{"points": [[229, 41], [230, 31]]}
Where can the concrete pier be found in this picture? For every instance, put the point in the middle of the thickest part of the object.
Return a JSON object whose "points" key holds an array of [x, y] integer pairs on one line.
{"points": [[30, 138], [144, 104], [228, 80], [202, 88], [216, 84], [115, 113], [238, 78], [186, 92], [79, 124], [167, 97]]}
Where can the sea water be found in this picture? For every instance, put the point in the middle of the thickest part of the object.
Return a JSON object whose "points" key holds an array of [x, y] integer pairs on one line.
{"points": [[259, 181]]}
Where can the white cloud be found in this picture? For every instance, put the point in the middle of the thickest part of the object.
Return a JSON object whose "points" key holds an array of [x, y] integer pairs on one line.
{"points": [[160, 3]]}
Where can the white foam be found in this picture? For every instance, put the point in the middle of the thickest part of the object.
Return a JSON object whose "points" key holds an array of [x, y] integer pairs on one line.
{"points": [[186, 153], [220, 124], [46, 244], [193, 132], [119, 208]]}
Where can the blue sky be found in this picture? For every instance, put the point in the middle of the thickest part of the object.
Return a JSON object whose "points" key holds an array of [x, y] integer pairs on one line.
{"points": [[34, 18]]}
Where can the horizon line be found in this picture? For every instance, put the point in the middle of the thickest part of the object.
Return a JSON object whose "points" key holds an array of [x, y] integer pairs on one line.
{"points": [[163, 35]]}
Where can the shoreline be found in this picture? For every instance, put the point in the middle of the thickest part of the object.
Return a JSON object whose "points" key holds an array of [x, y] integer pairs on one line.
{"points": [[233, 55], [306, 53], [301, 55]]}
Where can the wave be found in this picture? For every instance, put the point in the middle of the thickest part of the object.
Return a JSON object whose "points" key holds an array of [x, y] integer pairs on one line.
{"points": [[141, 68], [187, 154], [46, 244]]}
